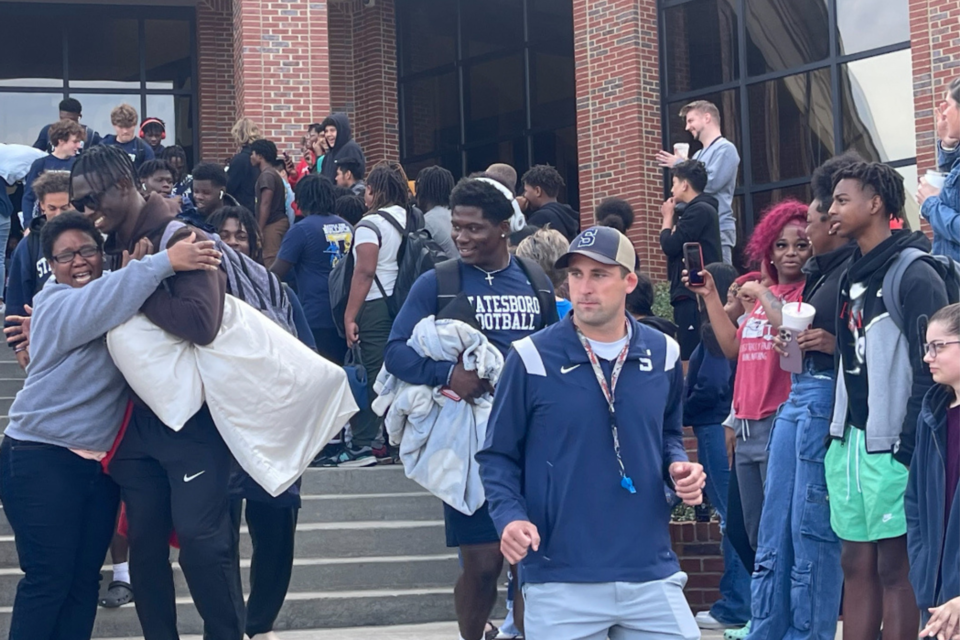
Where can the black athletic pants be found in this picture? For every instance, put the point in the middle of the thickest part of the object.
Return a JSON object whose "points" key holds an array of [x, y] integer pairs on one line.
{"points": [[686, 315], [272, 530], [178, 480]]}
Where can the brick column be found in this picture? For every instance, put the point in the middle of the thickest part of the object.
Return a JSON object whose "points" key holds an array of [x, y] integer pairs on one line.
{"points": [[935, 47], [618, 115], [218, 107], [281, 66]]}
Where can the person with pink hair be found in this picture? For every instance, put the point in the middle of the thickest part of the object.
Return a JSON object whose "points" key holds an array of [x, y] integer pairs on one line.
{"points": [[779, 245]]}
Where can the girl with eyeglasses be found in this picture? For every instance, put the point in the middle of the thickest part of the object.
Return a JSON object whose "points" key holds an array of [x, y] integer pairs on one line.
{"points": [[932, 501]]}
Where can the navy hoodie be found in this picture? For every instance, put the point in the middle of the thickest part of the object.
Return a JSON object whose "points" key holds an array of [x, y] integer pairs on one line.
{"points": [[549, 458], [932, 544]]}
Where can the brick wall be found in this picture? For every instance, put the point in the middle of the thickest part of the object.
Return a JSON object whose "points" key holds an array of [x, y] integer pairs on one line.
{"points": [[217, 93], [935, 47], [363, 74], [281, 66], [697, 544], [618, 115]]}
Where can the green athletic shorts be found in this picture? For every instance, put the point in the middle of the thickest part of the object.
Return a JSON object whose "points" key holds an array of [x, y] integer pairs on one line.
{"points": [[865, 490]]}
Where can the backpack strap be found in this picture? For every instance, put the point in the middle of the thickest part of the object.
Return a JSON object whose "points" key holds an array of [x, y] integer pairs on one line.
{"points": [[544, 290], [376, 230], [448, 282], [893, 280]]}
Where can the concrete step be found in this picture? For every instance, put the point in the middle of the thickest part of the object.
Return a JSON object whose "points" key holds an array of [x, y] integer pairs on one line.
{"points": [[331, 540], [10, 368], [10, 386], [359, 508], [314, 610], [379, 479], [5, 402], [316, 574]]}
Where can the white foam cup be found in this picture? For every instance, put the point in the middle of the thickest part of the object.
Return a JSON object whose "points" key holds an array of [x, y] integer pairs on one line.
{"points": [[682, 150], [935, 179], [797, 316]]}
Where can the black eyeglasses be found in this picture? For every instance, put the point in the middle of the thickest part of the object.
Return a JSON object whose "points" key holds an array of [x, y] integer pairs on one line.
{"points": [[933, 349], [86, 251]]}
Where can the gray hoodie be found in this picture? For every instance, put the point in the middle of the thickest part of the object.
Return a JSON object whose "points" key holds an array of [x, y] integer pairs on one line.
{"points": [[74, 395]]}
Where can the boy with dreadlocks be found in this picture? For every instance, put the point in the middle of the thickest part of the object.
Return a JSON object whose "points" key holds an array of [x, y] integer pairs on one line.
{"points": [[168, 478], [880, 387]]}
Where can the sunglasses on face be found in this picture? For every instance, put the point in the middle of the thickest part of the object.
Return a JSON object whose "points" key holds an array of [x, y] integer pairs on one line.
{"points": [[91, 200], [86, 251]]}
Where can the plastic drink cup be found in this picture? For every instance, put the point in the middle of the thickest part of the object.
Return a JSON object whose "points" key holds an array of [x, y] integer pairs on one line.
{"points": [[682, 149], [935, 179], [797, 316]]}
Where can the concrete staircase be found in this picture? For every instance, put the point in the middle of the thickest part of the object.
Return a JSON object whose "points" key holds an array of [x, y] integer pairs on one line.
{"points": [[369, 551]]}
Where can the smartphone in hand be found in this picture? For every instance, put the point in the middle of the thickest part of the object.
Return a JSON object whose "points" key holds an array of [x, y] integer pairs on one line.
{"points": [[793, 361], [693, 263]]}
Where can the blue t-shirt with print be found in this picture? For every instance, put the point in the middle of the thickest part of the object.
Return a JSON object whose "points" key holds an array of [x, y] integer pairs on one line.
{"points": [[505, 303], [314, 246]]}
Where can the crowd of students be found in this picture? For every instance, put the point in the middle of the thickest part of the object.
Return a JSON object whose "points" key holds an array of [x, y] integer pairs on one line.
{"points": [[831, 454]]}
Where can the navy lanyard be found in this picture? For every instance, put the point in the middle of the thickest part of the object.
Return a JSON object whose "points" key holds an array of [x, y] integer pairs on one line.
{"points": [[608, 394]]}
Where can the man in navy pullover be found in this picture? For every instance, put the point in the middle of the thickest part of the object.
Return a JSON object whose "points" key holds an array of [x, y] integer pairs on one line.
{"points": [[496, 289], [574, 470]]}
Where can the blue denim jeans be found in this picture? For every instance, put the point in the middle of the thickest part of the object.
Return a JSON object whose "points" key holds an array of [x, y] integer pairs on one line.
{"points": [[734, 604], [797, 580]]}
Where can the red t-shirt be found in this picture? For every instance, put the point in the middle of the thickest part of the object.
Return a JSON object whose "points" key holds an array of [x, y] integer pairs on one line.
{"points": [[761, 386]]}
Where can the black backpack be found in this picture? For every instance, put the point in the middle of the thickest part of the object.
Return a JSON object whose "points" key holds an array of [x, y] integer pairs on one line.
{"points": [[418, 253], [449, 288]]}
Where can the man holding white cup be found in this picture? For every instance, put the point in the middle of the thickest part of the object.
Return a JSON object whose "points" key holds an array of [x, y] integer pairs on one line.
{"points": [[721, 158], [939, 193]]}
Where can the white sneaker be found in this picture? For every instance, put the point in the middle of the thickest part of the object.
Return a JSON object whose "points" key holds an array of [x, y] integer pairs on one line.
{"points": [[269, 635], [707, 621]]}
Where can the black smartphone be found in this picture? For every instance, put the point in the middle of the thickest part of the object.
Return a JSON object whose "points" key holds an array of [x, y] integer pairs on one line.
{"points": [[693, 262]]}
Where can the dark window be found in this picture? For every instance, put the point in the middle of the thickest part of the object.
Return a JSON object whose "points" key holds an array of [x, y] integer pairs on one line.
{"points": [[495, 102], [23, 39], [104, 53], [791, 126], [431, 114], [143, 56], [785, 35], [428, 32], [491, 26], [813, 78], [701, 44], [498, 87], [868, 24], [766, 199]]}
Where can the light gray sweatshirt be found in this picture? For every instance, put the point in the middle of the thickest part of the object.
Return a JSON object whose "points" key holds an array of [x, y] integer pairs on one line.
{"points": [[74, 395], [722, 162]]}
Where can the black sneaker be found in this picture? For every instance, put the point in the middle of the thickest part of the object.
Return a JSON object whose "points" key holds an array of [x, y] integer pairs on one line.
{"points": [[328, 456], [350, 458]]}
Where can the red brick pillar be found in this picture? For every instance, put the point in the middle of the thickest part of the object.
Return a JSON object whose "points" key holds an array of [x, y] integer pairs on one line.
{"points": [[218, 107], [618, 115], [935, 47], [363, 74], [281, 66]]}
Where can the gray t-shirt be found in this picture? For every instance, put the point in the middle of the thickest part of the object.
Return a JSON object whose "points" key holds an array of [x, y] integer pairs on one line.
{"points": [[438, 224]]}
